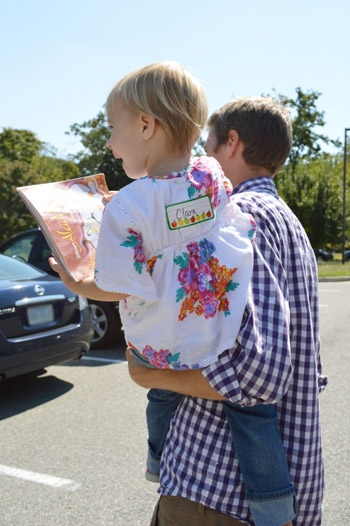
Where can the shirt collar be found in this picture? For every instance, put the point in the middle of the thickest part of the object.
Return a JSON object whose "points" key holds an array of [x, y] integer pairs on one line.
{"points": [[258, 184]]}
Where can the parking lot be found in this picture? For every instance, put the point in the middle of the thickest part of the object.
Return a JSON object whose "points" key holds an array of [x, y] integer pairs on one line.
{"points": [[73, 440]]}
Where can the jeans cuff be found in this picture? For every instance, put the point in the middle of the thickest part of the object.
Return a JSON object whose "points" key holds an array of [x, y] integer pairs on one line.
{"points": [[270, 495], [273, 511], [153, 464]]}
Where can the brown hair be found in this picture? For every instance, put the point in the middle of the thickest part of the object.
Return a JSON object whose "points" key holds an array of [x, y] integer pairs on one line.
{"points": [[170, 94], [264, 127]]}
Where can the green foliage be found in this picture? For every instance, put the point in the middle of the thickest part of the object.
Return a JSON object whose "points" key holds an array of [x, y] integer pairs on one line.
{"points": [[96, 157], [307, 142], [315, 196], [22, 164], [198, 149], [52, 169], [14, 216], [19, 145]]}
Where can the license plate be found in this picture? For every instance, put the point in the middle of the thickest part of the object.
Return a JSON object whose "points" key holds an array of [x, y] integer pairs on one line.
{"points": [[40, 314]]}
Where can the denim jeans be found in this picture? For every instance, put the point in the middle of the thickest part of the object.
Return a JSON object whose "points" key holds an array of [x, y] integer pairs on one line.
{"points": [[258, 445], [257, 440]]}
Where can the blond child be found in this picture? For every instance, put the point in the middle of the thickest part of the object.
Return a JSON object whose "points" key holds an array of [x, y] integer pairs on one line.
{"points": [[172, 248]]}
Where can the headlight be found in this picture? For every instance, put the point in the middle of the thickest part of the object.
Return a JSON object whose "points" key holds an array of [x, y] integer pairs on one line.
{"points": [[83, 302]]}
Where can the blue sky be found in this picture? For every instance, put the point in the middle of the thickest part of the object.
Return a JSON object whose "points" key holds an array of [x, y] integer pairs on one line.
{"points": [[59, 60]]}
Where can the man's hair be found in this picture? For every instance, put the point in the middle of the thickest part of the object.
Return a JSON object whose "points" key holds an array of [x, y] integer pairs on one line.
{"points": [[264, 127], [170, 94]]}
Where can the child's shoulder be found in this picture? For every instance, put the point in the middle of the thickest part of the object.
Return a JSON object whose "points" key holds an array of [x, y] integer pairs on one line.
{"points": [[206, 164], [206, 174]]}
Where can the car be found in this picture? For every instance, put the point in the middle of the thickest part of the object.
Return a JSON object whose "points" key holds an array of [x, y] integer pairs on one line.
{"points": [[31, 247], [347, 255], [323, 255], [42, 322]]}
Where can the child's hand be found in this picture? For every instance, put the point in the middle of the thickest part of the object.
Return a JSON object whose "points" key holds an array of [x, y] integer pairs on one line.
{"points": [[108, 197], [60, 271]]}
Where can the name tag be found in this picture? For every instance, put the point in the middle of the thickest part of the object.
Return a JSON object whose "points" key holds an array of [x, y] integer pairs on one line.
{"points": [[189, 213]]}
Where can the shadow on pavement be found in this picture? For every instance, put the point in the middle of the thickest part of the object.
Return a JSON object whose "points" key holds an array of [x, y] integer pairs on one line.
{"points": [[25, 392], [96, 358]]}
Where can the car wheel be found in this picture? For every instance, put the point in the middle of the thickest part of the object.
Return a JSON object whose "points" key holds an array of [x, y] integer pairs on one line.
{"points": [[105, 323]]}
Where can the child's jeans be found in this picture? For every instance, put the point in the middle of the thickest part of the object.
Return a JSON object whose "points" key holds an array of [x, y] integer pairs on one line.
{"points": [[257, 440], [258, 444]]}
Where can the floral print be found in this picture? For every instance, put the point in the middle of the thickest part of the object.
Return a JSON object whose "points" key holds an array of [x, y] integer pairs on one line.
{"points": [[204, 282], [203, 182], [252, 230], [163, 359], [134, 240], [151, 262]]}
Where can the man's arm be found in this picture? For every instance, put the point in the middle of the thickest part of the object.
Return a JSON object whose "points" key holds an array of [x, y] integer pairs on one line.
{"points": [[189, 383], [87, 287]]}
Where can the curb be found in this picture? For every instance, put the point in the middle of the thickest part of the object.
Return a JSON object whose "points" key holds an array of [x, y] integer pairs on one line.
{"points": [[335, 278]]}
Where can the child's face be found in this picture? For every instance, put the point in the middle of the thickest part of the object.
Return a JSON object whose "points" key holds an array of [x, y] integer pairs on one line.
{"points": [[126, 141]]}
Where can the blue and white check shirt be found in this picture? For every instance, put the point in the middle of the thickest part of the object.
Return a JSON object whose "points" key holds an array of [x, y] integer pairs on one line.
{"points": [[275, 360]]}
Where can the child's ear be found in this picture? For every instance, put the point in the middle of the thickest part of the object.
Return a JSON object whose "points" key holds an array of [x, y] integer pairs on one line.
{"points": [[233, 142], [148, 125]]}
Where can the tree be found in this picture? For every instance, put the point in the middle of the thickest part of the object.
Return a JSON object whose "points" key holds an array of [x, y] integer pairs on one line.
{"points": [[315, 196], [51, 169], [14, 215], [22, 164], [19, 145], [307, 142], [96, 157]]}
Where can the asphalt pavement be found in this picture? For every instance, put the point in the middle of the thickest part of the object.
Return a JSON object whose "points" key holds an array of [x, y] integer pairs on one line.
{"points": [[73, 441]]}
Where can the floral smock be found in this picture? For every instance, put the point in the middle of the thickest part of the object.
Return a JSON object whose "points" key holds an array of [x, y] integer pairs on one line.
{"points": [[183, 252]]}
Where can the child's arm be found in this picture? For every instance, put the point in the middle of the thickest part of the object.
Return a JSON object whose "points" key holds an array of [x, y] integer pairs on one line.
{"points": [[87, 287]]}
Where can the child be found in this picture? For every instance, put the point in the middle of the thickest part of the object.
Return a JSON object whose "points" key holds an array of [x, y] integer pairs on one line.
{"points": [[176, 253]]}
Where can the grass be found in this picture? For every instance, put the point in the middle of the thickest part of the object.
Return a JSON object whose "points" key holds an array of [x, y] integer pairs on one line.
{"points": [[333, 268]]}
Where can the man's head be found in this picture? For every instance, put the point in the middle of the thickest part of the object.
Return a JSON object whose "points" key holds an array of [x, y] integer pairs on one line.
{"points": [[260, 125]]}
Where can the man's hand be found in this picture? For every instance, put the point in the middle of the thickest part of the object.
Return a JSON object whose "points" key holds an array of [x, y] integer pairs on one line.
{"points": [[190, 382]]}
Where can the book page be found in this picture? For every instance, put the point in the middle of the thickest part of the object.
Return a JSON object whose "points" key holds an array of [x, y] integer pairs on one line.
{"points": [[69, 214]]}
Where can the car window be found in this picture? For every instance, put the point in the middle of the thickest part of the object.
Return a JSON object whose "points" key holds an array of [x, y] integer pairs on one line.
{"points": [[21, 247], [45, 251], [11, 268]]}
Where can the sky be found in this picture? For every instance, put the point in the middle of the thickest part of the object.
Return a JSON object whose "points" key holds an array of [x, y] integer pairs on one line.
{"points": [[59, 60]]}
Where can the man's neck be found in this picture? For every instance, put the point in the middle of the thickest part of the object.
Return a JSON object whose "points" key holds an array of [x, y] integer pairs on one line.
{"points": [[245, 172]]}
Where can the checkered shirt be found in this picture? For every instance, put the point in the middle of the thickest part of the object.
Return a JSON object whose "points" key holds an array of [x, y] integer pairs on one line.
{"points": [[275, 360]]}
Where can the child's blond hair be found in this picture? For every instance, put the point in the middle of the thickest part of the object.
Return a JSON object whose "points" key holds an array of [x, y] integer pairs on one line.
{"points": [[264, 127], [171, 95]]}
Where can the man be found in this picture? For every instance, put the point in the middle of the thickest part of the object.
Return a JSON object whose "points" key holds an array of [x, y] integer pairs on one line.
{"points": [[276, 356]]}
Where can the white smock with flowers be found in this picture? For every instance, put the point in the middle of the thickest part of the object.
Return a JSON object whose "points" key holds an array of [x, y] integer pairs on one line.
{"points": [[184, 254]]}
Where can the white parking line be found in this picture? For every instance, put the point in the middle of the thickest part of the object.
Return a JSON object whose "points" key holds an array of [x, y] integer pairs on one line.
{"points": [[39, 478], [104, 360]]}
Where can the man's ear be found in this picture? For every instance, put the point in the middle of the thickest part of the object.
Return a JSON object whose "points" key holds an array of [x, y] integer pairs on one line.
{"points": [[233, 142], [148, 125]]}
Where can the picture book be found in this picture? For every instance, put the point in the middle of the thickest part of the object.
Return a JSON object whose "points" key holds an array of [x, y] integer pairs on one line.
{"points": [[69, 215]]}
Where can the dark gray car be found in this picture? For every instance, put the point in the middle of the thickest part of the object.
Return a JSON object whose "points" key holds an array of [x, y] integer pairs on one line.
{"points": [[41, 322], [31, 246]]}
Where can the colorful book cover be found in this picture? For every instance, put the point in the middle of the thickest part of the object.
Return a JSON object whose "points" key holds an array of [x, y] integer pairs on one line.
{"points": [[69, 214]]}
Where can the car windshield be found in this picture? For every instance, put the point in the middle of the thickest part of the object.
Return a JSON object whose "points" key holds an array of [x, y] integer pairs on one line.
{"points": [[11, 268]]}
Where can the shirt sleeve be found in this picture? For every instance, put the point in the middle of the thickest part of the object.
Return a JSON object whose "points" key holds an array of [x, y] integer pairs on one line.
{"points": [[258, 368], [120, 263]]}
